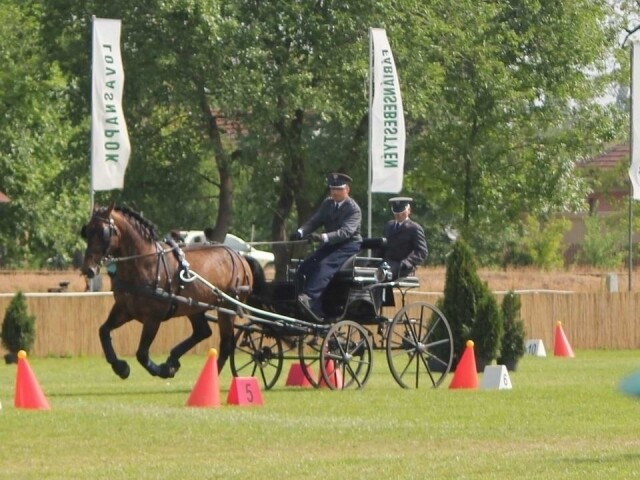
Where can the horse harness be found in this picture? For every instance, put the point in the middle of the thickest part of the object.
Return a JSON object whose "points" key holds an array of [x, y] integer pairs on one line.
{"points": [[184, 275]]}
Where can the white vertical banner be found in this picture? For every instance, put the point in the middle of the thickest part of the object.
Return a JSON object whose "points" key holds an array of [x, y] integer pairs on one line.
{"points": [[387, 134], [110, 146], [634, 169]]}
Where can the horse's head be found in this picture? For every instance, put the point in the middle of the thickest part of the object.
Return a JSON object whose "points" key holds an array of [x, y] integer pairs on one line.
{"points": [[102, 238]]}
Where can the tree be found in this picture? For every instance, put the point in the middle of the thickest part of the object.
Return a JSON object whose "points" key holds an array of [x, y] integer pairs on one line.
{"points": [[274, 99], [236, 110], [516, 109], [179, 166], [43, 217]]}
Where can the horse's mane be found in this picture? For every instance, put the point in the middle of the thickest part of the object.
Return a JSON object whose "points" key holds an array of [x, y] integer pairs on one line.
{"points": [[142, 225]]}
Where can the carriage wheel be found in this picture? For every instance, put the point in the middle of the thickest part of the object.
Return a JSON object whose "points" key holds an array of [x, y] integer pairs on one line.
{"points": [[419, 346], [257, 355], [346, 356], [309, 356]]}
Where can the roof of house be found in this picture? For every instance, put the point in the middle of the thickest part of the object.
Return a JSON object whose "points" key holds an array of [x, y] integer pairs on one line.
{"points": [[610, 159], [4, 198]]}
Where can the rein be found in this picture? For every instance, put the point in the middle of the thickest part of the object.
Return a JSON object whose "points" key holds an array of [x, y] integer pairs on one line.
{"points": [[278, 242], [111, 259]]}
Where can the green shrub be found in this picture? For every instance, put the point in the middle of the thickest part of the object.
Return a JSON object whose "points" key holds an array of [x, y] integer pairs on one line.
{"points": [[462, 292], [544, 241], [18, 328], [517, 255], [512, 347], [487, 329], [604, 242]]}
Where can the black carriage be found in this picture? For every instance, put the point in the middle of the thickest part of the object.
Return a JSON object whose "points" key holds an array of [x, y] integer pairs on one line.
{"points": [[337, 351], [260, 323]]}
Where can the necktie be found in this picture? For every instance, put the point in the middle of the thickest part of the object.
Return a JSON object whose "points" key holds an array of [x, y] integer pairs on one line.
{"points": [[397, 226], [336, 205]]}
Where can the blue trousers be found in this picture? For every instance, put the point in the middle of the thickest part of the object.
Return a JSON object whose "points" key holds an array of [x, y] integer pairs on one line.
{"points": [[317, 270]]}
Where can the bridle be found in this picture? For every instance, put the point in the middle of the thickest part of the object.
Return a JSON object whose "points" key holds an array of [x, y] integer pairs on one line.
{"points": [[109, 230]]}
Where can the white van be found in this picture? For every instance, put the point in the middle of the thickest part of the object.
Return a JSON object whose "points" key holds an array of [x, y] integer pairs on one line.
{"points": [[264, 258]]}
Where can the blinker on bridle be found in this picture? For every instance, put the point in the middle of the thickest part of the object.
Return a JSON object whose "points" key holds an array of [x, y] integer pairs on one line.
{"points": [[108, 230]]}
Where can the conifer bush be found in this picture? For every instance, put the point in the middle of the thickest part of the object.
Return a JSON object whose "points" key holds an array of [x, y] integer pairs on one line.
{"points": [[462, 289], [18, 328], [469, 306], [487, 330], [512, 347]]}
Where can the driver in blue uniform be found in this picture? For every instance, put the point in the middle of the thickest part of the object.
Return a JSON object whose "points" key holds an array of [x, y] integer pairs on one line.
{"points": [[341, 218]]}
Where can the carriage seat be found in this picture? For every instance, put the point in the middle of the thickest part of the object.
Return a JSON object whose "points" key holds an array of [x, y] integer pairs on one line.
{"points": [[361, 269], [358, 270]]}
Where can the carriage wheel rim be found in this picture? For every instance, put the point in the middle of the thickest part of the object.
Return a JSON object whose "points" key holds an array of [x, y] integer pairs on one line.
{"points": [[343, 360], [254, 344], [413, 346]]}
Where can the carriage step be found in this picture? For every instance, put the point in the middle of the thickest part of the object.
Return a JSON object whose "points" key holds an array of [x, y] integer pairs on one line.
{"points": [[303, 301]]}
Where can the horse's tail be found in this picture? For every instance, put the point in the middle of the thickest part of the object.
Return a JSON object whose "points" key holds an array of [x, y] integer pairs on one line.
{"points": [[259, 278]]}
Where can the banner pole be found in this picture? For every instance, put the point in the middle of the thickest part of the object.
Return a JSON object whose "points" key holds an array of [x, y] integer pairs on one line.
{"points": [[369, 172], [630, 236], [91, 192], [633, 160]]}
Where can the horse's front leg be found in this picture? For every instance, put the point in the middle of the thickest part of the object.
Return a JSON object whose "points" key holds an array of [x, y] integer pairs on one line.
{"points": [[150, 329], [117, 317], [227, 338], [201, 331]]}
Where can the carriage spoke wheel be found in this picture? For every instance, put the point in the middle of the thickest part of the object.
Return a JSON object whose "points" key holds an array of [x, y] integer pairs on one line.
{"points": [[346, 356], [257, 355], [419, 346], [309, 356]]}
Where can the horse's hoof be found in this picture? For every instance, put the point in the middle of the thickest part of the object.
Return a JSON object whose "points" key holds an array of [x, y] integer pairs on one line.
{"points": [[121, 368], [169, 369]]}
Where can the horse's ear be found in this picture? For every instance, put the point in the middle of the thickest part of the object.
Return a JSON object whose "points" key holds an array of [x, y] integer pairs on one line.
{"points": [[83, 232], [110, 208]]}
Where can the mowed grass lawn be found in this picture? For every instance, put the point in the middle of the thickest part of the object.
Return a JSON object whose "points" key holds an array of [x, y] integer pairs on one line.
{"points": [[563, 419]]}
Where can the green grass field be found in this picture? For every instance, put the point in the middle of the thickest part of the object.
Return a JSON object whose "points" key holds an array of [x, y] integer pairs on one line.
{"points": [[563, 419]]}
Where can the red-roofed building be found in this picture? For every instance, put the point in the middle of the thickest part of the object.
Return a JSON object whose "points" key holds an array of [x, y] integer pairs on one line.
{"points": [[610, 169], [616, 158]]}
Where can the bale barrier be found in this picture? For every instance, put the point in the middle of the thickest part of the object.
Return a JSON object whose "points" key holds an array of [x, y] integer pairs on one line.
{"points": [[67, 323]]}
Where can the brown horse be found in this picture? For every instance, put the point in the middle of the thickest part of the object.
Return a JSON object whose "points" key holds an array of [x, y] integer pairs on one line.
{"points": [[153, 281]]}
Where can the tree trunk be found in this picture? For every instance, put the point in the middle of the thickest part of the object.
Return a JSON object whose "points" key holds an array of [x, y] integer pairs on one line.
{"points": [[223, 163], [291, 188]]}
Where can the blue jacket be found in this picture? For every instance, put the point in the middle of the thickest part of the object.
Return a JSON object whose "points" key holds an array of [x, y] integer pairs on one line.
{"points": [[408, 243], [340, 225]]}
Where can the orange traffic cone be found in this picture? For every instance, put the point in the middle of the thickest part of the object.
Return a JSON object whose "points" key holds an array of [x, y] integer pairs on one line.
{"points": [[561, 347], [335, 376], [28, 391], [297, 378], [466, 375], [206, 392]]}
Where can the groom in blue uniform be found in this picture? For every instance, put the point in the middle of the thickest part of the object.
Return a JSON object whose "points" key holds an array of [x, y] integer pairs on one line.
{"points": [[340, 217], [406, 246]]}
